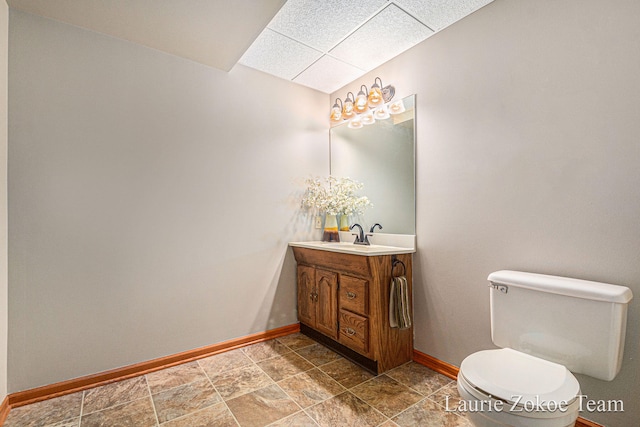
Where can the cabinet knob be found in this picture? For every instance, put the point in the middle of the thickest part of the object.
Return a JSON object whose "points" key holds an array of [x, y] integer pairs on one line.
{"points": [[349, 331], [351, 295], [313, 296]]}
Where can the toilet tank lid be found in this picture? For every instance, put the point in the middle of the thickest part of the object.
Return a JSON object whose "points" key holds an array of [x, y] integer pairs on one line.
{"points": [[563, 286]]}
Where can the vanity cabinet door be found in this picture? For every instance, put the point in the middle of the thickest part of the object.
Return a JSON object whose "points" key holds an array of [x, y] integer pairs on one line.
{"points": [[307, 295], [327, 302]]}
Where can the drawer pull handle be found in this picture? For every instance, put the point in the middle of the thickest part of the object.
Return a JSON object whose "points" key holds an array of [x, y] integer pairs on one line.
{"points": [[351, 295], [349, 331]]}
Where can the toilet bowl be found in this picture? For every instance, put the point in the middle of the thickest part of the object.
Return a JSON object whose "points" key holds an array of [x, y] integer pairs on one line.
{"points": [[547, 328], [505, 387]]}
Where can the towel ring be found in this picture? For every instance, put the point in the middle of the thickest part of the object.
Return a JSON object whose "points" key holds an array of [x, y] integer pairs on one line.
{"points": [[394, 263]]}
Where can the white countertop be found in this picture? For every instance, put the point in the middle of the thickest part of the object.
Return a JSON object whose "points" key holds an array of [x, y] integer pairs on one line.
{"points": [[350, 248]]}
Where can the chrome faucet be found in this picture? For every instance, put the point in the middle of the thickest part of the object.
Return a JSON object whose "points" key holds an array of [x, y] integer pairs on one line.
{"points": [[361, 239]]}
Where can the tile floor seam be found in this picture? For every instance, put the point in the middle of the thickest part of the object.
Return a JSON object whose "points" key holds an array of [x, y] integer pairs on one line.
{"points": [[355, 396], [444, 407], [291, 416], [213, 385], [153, 404], [175, 386], [122, 404], [422, 396], [224, 402], [411, 406], [446, 385], [231, 412], [344, 389], [267, 358], [84, 393], [364, 382], [327, 348], [261, 370], [307, 360], [374, 408], [292, 399], [187, 415], [296, 349]]}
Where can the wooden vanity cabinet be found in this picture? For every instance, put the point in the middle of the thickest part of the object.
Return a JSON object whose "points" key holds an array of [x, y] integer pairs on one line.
{"points": [[343, 302]]}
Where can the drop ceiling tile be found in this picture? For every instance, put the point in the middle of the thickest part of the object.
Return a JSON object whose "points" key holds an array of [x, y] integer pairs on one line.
{"points": [[438, 14], [323, 23], [328, 75], [281, 56], [389, 33]]}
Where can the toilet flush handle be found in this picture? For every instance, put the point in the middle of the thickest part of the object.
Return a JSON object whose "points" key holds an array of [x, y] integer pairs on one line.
{"points": [[502, 288]]}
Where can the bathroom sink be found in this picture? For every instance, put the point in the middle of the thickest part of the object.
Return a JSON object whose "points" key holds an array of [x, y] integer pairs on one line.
{"points": [[350, 248]]}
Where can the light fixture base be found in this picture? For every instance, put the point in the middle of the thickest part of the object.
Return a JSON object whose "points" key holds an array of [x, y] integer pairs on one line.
{"points": [[388, 92]]}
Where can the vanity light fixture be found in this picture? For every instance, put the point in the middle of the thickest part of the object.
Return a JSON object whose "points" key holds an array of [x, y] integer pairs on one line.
{"points": [[367, 107], [336, 112], [347, 108], [375, 94], [361, 104]]}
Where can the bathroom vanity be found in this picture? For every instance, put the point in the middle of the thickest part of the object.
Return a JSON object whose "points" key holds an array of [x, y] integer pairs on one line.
{"points": [[343, 300]]}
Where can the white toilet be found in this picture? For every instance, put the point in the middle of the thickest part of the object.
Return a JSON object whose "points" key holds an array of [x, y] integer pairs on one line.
{"points": [[548, 327]]}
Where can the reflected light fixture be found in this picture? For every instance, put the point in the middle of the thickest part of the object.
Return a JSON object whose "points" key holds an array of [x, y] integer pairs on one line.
{"points": [[347, 108], [367, 118], [381, 113], [361, 104], [396, 107], [355, 123], [336, 112], [375, 94]]}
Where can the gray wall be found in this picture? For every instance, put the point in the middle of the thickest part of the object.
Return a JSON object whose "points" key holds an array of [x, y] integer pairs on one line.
{"points": [[151, 200], [528, 159], [4, 305]]}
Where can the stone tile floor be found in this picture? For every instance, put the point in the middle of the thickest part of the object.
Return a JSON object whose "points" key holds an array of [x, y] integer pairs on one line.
{"points": [[288, 381]]}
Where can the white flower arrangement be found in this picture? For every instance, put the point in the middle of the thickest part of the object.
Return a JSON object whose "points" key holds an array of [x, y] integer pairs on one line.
{"points": [[336, 196]]}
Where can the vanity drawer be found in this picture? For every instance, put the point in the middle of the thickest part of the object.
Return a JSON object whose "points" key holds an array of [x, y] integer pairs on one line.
{"points": [[354, 294], [354, 331]]}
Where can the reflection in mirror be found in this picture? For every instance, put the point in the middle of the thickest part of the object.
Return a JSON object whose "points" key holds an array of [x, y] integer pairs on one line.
{"points": [[382, 157]]}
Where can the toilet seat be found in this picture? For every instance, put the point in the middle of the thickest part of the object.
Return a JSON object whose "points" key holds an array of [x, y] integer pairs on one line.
{"points": [[521, 380]]}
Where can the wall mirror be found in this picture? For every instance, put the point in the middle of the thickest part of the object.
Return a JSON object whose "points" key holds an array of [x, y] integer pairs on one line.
{"points": [[382, 157]]}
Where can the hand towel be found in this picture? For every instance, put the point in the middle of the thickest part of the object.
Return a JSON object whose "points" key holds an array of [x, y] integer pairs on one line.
{"points": [[399, 303]]}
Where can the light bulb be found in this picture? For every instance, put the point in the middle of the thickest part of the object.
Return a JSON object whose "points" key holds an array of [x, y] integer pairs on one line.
{"points": [[347, 109], [375, 94], [361, 104], [336, 112]]}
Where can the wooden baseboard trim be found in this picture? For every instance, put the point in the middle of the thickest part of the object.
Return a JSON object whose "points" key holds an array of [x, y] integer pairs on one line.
{"points": [[581, 422], [4, 409], [82, 383], [437, 365], [451, 371]]}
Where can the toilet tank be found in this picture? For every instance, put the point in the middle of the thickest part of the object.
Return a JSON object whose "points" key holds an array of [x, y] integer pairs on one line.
{"points": [[577, 323]]}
